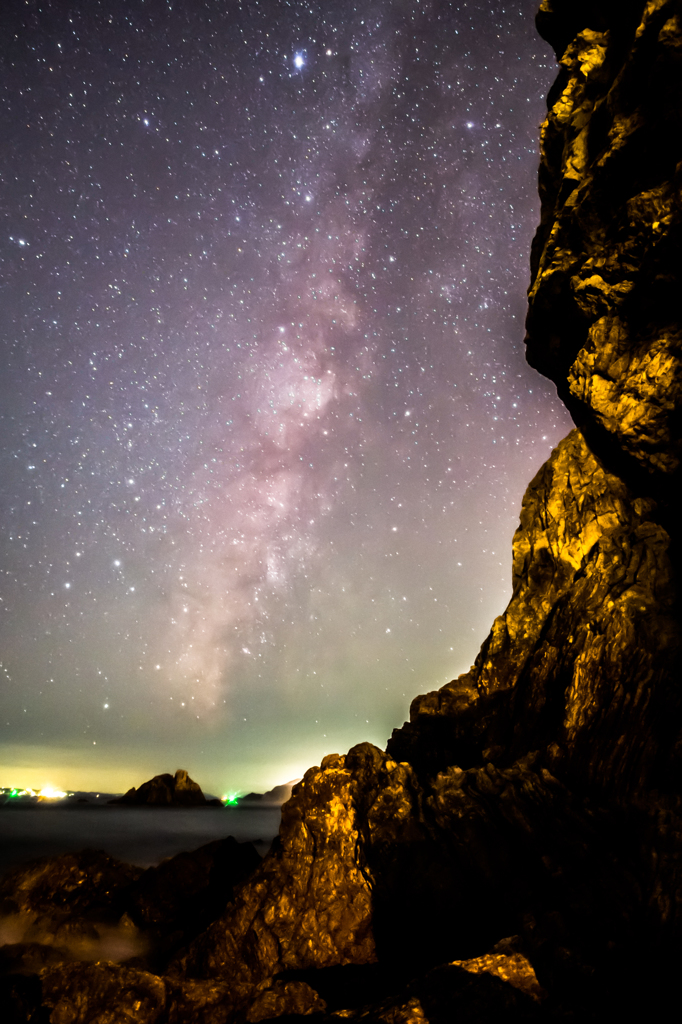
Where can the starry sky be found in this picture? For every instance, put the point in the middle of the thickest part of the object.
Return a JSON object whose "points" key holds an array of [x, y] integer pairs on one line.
{"points": [[265, 417]]}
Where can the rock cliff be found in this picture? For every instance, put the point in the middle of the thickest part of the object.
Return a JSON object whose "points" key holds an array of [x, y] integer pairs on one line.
{"points": [[515, 851]]}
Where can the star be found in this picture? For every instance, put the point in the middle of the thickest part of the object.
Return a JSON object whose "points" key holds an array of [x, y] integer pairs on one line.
{"points": [[242, 350]]}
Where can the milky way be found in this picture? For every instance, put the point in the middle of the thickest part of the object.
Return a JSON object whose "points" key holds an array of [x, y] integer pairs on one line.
{"points": [[266, 419]]}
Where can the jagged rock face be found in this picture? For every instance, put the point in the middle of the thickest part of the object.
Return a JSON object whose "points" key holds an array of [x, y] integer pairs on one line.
{"points": [[375, 865], [603, 318], [584, 661], [309, 905], [111, 993]]}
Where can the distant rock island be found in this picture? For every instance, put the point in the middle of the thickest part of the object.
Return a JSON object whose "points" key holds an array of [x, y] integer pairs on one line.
{"points": [[272, 798], [167, 791]]}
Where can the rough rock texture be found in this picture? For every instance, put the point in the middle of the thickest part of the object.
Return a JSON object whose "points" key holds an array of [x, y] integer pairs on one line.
{"points": [[308, 905], [603, 319], [108, 993], [166, 791], [584, 662], [61, 900], [538, 796], [90, 907], [375, 864]]}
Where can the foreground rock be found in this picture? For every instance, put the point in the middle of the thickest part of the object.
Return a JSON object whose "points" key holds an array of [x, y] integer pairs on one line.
{"points": [[167, 791], [65, 917], [178, 899], [62, 901], [582, 665]]}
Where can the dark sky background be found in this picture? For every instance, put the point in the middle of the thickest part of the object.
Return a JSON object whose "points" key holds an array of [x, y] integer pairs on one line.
{"points": [[266, 420]]}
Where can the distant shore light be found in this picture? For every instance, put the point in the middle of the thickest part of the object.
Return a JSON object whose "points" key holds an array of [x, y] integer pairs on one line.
{"points": [[50, 793]]}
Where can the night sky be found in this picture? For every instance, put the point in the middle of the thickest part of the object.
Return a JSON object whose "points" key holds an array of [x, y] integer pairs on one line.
{"points": [[266, 419]]}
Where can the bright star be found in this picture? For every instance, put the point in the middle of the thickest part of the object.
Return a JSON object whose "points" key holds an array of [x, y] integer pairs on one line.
{"points": [[299, 60]]}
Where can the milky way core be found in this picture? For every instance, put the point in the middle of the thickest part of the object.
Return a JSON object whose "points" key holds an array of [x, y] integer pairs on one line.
{"points": [[266, 419]]}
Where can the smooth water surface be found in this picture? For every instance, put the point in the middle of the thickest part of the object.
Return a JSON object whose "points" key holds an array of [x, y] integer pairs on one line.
{"points": [[137, 835]]}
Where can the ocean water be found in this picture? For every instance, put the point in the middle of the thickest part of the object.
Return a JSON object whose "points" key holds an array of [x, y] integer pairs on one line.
{"points": [[137, 835]]}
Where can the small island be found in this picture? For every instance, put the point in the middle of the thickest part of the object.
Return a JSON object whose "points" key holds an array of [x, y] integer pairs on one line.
{"points": [[167, 791]]}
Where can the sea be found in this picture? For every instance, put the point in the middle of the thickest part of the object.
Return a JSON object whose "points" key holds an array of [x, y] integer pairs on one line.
{"points": [[137, 835]]}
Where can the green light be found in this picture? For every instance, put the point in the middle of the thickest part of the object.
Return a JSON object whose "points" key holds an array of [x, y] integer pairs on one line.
{"points": [[231, 799]]}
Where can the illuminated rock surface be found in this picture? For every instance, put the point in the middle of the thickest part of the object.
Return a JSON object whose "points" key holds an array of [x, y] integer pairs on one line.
{"points": [[515, 852]]}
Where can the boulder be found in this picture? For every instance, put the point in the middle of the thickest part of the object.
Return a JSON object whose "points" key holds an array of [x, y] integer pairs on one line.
{"points": [[85, 886], [89, 906]]}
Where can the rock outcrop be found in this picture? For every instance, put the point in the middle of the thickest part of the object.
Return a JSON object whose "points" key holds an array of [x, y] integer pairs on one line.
{"points": [[58, 900], [71, 919], [515, 852], [165, 791]]}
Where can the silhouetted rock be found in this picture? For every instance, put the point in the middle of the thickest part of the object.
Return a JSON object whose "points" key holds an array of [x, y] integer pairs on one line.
{"points": [[88, 906], [166, 791], [180, 897], [84, 886], [21, 999], [274, 797], [457, 992]]}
